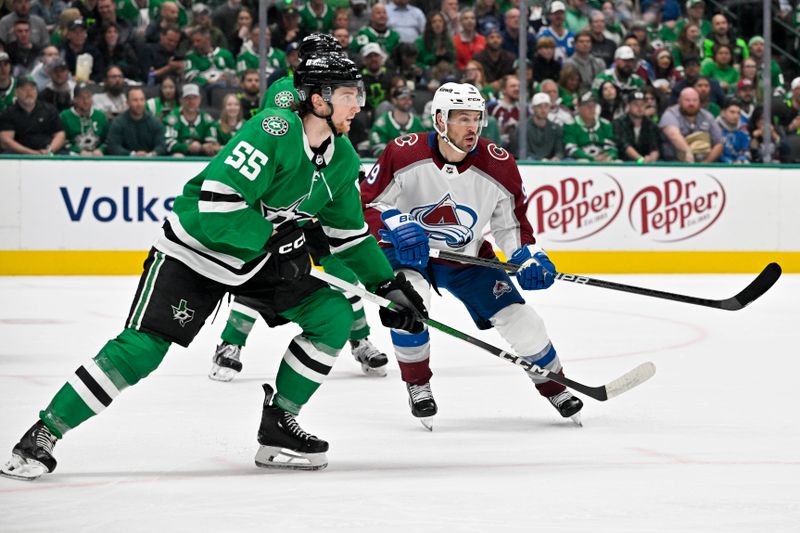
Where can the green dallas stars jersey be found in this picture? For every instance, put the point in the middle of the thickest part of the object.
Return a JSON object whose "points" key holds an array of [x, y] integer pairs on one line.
{"points": [[280, 94], [223, 137], [179, 132], [388, 39], [205, 69], [7, 95], [310, 22], [248, 59], [582, 142], [386, 128], [221, 222], [84, 133], [634, 83]]}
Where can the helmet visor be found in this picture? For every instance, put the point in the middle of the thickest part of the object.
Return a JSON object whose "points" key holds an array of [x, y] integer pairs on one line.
{"points": [[348, 95]]}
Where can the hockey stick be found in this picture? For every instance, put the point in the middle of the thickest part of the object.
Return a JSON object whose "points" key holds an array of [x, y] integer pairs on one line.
{"points": [[624, 383], [752, 292]]}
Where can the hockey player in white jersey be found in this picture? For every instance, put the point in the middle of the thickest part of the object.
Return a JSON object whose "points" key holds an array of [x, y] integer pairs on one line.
{"points": [[443, 189]]}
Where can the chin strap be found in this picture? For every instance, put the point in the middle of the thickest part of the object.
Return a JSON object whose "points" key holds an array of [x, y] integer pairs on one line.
{"points": [[327, 119]]}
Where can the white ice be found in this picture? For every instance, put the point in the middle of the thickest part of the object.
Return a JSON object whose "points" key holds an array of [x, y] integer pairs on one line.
{"points": [[711, 443]]}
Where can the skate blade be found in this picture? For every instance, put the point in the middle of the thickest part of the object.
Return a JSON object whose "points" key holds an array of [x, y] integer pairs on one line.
{"points": [[281, 458], [576, 418], [221, 373], [427, 422], [23, 469], [378, 372]]}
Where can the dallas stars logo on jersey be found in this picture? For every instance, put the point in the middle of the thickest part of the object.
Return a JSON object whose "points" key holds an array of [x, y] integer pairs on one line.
{"points": [[284, 99], [182, 313], [447, 221], [275, 126]]}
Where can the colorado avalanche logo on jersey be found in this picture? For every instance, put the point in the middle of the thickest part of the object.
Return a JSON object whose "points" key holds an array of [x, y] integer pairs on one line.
{"points": [[500, 288], [447, 221]]}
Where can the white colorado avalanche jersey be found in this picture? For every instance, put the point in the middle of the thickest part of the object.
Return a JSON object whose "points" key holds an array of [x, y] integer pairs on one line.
{"points": [[455, 204]]}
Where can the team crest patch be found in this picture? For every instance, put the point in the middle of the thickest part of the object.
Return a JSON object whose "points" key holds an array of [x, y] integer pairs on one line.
{"points": [[447, 221], [500, 288], [275, 126], [182, 313], [284, 99], [497, 152]]}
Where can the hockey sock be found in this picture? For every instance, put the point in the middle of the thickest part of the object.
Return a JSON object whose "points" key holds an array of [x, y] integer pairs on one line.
{"points": [[122, 362], [360, 329], [240, 323], [326, 318]]}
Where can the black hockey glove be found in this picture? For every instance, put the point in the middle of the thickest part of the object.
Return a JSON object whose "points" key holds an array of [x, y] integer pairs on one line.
{"points": [[289, 252], [410, 305]]}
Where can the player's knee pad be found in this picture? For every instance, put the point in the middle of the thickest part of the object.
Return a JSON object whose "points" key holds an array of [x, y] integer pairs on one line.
{"points": [[332, 322], [522, 328], [132, 355]]}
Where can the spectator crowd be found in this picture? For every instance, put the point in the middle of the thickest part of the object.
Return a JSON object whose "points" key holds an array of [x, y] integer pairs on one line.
{"points": [[646, 81]]}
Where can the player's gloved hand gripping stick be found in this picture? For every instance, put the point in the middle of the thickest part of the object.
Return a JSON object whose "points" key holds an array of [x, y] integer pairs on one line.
{"points": [[624, 383], [407, 236]]}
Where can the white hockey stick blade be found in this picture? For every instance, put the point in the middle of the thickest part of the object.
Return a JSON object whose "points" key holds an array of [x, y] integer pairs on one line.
{"points": [[631, 379]]}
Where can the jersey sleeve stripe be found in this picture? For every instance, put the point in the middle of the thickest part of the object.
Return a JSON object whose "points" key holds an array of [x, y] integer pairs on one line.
{"points": [[342, 239]]}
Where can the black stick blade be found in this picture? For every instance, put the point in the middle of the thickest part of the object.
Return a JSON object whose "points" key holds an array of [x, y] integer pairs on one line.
{"points": [[763, 282]]}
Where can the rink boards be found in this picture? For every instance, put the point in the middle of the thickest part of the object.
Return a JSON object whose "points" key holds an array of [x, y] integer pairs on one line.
{"points": [[80, 216]]}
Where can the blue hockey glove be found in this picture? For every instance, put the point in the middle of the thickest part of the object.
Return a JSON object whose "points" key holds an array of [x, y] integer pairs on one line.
{"points": [[537, 271], [408, 238]]}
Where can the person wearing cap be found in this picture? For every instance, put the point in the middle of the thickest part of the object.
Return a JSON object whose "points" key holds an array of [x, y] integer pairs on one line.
{"points": [[401, 120], [378, 31], [28, 126], [496, 61], [286, 29], [756, 46], [360, 16], [21, 9], [85, 127], [207, 66], [736, 140], [377, 79], [621, 74], [695, 14], [188, 130], [77, 43], [556, 30], [642, 66], [587, 64], [745, 94], [58, 91], [723, 34], [692, 133], [637, 137], [590, 137], [7, 82], [544, 138], [136, 132], [406, 19], [201, 18]]}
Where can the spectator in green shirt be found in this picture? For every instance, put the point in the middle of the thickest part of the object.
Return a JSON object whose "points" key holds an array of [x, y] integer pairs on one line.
{"points": [[435, 44], [136, 132], [720, 68], [85, 128]]}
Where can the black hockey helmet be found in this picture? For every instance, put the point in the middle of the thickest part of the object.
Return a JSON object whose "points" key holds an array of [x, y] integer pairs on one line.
{"points": [[323, 73], [318, 43]]}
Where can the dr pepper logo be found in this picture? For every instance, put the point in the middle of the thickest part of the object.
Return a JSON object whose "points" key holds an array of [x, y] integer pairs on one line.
{"points": [[574, 208], [675, 210]]}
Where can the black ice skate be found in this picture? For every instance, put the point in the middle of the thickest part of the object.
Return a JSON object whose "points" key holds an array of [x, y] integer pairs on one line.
{"points": [[373, 361], [226, 363], [33, 454], [423, 406], [283, 442], [568, 406]]}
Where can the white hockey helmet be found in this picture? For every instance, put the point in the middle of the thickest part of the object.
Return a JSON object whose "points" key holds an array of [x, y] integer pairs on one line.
{"points": [[456, 97]]}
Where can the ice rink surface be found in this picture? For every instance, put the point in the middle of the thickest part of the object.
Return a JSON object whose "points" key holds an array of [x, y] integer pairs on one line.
{"points": [[711, 443]]}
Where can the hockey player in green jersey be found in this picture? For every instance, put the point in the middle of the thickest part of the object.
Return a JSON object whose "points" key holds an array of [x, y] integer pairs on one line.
{"points": [[590, 137], [237, 227], [226, 362], [85, 128]]}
